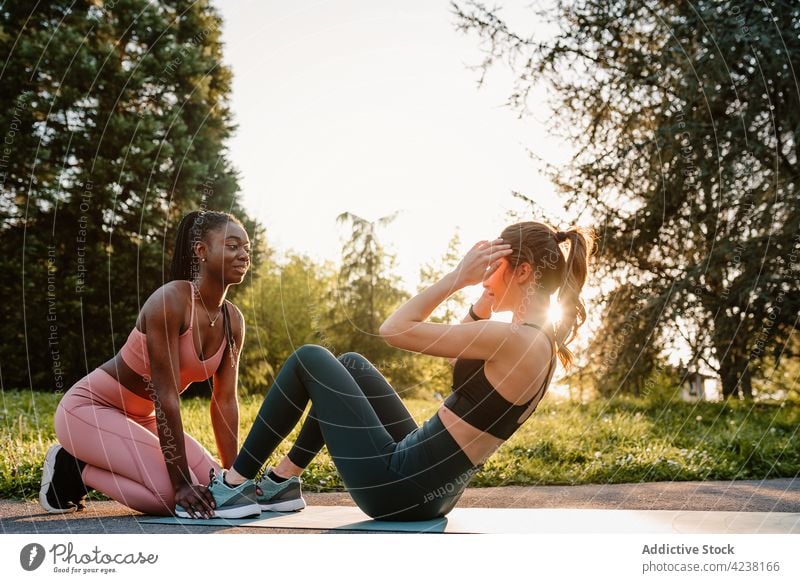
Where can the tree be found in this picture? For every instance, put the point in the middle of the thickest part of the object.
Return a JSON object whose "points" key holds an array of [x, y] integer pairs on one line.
{"points": [[367, 292], [115, 117], [435, 372], [686, 122], [453, 308], [286, 306]]}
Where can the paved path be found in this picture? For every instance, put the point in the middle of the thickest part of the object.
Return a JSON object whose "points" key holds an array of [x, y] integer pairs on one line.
{"points": [[780, 495]]}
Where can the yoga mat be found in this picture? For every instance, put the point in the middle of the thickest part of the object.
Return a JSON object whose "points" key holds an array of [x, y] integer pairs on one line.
{"points": [[522, 521]]}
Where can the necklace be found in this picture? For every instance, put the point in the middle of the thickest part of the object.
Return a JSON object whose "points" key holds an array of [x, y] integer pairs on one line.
{"points": [[212, 322]]}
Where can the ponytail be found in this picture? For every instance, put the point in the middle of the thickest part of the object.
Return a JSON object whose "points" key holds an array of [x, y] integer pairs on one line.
{"points": [[184, 262], [573, 311]]}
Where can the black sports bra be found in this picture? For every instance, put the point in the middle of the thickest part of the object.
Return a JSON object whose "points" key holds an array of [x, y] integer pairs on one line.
{"points": [[476, 401]]}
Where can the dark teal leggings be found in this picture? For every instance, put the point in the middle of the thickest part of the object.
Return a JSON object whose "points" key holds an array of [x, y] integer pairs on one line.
{"points": [[393, 469]]}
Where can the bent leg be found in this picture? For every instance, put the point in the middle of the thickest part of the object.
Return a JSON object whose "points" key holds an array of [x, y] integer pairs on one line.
{"points": [[384, 400], [123, 459], [386, 480], [137, 495], [342, 410], [122, 454]]}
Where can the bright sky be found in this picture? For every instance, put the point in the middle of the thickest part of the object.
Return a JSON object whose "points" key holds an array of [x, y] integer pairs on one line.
{"points": [[370, 107]]}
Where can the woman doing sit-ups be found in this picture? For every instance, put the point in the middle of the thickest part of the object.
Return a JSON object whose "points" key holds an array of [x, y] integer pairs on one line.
{"points": [[393, 469]]}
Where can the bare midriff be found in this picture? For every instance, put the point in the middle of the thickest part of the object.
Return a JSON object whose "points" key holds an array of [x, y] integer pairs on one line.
{"points": [[129, 379], [476, 444]]}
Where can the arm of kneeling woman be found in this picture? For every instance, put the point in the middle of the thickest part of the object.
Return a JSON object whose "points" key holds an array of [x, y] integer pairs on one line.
{"points": [[224, 400], [163, 314]]}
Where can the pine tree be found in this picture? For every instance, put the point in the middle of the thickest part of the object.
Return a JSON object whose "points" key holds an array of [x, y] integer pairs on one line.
{"points": [[367, 290], [115, 115]]}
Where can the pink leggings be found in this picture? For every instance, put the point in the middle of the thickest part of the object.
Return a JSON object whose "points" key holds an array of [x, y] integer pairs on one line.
{"points": [[114, 431]]}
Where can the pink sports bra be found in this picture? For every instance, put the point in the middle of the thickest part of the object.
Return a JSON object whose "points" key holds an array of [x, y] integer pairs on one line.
{"points": [[192, 369]]}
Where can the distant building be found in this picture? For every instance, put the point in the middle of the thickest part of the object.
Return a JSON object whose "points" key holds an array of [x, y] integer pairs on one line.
{"points": [[694, 387]]}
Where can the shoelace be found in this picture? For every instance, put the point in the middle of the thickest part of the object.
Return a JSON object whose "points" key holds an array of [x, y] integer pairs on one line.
{"points": [[212, 475], [257, 481]]}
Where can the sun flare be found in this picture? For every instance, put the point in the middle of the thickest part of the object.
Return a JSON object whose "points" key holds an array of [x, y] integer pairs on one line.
{"points": [[554, 313]]}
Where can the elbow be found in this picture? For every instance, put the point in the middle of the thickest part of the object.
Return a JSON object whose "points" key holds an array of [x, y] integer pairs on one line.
{"points": [[396, 334], [393, 332], [387, 332]]}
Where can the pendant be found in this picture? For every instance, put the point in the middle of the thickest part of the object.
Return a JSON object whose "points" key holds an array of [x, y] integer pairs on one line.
{"points": [[212, 324]]}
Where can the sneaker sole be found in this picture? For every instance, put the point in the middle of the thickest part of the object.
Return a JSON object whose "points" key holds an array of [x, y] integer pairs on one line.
{"points": [[286, 506], [47, 476], [243, 511]]}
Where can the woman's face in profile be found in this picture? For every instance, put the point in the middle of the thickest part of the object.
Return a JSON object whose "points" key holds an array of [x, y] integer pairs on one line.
{"points": [[228, 252], [497, 285]]}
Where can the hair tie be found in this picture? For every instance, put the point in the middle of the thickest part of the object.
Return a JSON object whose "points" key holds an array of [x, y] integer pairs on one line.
{"points": [[561, 236]]}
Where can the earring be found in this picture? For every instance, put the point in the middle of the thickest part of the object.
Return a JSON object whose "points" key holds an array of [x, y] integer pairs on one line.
{"points": [[203, 259]]}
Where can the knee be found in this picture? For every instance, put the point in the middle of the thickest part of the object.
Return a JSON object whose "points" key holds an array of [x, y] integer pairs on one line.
{"points": [[353, 360], [308, 354]]}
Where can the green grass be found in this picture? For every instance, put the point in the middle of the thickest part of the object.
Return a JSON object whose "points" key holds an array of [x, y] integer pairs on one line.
{"points": [[623, 440]]}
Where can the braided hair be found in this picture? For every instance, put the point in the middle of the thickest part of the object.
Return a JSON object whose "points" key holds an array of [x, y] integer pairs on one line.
{"points": [[194, 227]]}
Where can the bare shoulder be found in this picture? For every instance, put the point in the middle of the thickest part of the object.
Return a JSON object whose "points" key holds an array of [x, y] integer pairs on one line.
{"points": [[235, 310], [540, 345], [171, 294], [168, 302], [541, 339], [237, 318], [526, 338], [528, 352]]}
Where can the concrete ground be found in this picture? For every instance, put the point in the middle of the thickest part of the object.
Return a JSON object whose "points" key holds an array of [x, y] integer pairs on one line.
{"points": [[780, 495]]}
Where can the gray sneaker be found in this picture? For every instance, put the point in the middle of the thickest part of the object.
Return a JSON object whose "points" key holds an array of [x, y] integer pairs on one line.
{"points": [[231, 502], [280, 497]]}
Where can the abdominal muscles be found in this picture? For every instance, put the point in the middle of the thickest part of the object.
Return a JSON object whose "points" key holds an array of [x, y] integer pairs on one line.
{"points": [[476, 444]]}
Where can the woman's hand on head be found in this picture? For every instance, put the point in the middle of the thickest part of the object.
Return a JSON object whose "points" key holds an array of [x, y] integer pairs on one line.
{"points": [[481, 262], [196, 500]]}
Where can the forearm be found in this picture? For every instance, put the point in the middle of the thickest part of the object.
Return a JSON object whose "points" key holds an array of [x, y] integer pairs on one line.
{"points": [[467, 318], [170, 437], [481, 308], [225, 421], [420, 307]]}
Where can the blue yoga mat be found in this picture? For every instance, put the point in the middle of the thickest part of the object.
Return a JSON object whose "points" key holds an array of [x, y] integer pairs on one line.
{"points": [[314, 517], [521, 520]]}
